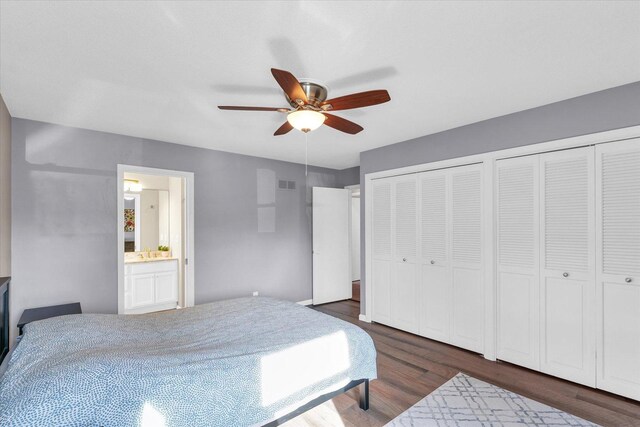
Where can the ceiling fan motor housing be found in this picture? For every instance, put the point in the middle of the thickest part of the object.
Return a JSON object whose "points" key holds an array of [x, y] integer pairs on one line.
{"points": [[316, 94]]}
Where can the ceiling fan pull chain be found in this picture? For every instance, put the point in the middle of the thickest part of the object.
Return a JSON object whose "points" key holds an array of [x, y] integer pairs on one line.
{"points": [[306, 152]]}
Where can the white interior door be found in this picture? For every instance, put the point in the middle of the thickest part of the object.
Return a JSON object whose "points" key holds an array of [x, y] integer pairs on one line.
{"points": [[567, 238], [331, 251], [518, 231], [618, 272]]}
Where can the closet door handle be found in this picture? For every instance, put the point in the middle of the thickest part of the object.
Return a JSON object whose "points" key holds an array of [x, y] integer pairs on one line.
{"points": [[404, 260], [628, 280], [565, 274], [433, 262]]}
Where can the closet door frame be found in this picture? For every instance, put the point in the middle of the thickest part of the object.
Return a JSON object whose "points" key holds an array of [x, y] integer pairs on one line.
{"points": [[488, 159]]}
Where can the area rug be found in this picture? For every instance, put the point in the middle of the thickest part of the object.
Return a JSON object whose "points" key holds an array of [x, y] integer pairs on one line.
{"points": [[467, 401]]}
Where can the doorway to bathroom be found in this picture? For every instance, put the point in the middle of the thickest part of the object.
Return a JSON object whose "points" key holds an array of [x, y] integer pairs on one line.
{"points": [[155, 239]]}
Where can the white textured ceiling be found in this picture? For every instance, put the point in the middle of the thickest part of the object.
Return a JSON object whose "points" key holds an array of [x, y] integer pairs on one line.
{"points": [[158, 69]]}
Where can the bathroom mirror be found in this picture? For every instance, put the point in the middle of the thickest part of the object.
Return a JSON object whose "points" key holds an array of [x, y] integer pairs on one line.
{"points": [[146, 220]]}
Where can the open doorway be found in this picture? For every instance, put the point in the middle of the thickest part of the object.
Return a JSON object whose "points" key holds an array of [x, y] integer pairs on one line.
{"points": [[155, 239], [354, 240]]}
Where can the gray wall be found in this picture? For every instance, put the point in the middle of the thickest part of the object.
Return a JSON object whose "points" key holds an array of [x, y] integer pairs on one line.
{"points": [[596, 112], [350, 176], [64, 218], [5, 190]]}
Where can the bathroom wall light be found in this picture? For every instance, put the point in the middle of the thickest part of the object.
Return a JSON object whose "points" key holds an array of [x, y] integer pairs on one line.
{"points": [[132, 185]]}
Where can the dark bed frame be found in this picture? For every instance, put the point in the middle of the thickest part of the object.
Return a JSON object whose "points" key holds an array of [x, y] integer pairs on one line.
{"points": [[364, 401], [4, 317]]}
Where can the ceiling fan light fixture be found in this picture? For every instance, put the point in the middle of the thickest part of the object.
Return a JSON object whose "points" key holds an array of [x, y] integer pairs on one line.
{"points": [[306, 120]]}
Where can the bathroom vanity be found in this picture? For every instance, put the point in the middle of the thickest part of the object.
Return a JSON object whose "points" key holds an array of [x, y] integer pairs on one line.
{"points": [[151, 284]]}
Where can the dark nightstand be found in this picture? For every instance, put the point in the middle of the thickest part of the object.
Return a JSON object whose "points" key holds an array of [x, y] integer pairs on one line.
{"points": [[40, 313]]}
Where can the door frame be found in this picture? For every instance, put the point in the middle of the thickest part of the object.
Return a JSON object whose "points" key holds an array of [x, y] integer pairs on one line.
{"points": [[188, 213], [353, 188]]}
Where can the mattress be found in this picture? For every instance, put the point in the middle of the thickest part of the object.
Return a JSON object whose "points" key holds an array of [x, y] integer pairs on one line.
{"points": [[238, 362]]}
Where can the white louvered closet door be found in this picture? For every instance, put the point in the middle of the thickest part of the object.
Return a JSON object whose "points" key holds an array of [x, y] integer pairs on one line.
{"points": [[434, 290], [467, 307], [405, 256], [382, 251], [618, 271], [518, 300], [567, 234]]}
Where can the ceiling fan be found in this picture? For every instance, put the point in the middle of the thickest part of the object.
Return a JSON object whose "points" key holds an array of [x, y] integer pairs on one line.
{"points": [[309, 104]]}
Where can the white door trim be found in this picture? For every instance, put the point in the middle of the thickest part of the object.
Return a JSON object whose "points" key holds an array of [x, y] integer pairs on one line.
{"points": [[189, 256], [489, 247], [353, 188]]}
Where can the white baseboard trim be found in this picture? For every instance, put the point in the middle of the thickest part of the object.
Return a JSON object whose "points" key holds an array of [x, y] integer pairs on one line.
{"points": [[363, 318], [305, 302]]}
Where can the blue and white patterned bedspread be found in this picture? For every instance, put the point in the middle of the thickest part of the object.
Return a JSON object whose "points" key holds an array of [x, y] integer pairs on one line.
{"points": [[239, 362]]}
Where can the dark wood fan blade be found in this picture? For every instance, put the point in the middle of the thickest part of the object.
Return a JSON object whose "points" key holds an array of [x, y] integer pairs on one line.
{"points": [[341, 124], [286, 127], [231, 107], [290, 85], [358, 100]]}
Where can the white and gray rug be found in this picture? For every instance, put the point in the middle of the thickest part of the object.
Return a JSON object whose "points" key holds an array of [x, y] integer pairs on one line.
{"points": [[467, 401]]}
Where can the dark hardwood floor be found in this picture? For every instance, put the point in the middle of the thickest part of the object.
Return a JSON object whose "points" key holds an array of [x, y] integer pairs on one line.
{"points": [[410, 367], [355, 290]]}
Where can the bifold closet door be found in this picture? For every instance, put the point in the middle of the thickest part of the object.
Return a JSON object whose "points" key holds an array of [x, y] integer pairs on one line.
{"points": [[618, 271], [518, 299], [381, 271], [405, 256], [467, 296], [434, 290], [427, 254], [567, 285]]}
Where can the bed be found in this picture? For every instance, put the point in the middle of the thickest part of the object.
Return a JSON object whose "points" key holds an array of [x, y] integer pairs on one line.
{"points": [[241, 362]]}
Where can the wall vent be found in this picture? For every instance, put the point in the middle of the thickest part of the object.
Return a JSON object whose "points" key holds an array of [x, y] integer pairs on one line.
{"points": [[286, 185]]}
